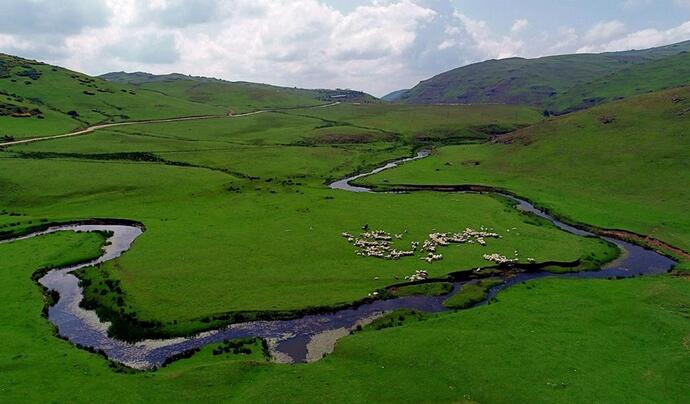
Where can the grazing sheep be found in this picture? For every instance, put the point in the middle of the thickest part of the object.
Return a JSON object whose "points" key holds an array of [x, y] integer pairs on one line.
{"points": [[377, 243], [419, 275], [431, 257], [499, 259]]}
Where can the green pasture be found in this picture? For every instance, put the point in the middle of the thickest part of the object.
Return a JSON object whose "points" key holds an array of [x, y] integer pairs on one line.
{"points": [[275, 246], [240, 223], [544, 341], [624, 165]]}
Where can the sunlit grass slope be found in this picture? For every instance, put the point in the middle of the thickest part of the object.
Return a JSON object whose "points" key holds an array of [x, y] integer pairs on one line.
{"points": [[66, 100], [621, 165]]}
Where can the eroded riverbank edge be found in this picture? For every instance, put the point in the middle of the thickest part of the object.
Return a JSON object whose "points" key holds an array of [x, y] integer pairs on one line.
{"points": [[641, 240]]}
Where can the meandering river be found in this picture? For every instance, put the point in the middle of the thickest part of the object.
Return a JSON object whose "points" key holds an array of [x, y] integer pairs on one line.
{"points": [[303, 339]]}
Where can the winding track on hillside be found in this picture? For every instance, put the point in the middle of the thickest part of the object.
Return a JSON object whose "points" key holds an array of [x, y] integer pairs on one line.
{"points": [[301, 339], [94, 128]]}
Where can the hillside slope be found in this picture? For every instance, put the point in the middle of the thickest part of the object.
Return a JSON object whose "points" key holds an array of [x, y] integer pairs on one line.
{"points": [[672, 71], [622, 165], [239, 96], [395, 95], [39, 99], [560, 83]]}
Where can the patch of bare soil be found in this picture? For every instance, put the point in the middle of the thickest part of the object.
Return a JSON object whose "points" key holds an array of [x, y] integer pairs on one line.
{"points": [[646, 241], [324, 343]]}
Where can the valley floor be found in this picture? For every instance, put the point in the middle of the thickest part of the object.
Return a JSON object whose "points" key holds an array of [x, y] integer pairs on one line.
{"points": [[544, 341], [238, 217]]}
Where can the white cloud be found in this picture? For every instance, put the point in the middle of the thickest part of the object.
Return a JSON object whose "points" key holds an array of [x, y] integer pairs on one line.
{"points": [[604, 30], [151, 48], [565, 39], [377, 30], [480, 38], [379, 46], [642, 39], [519, 25], [51, 17], [289, 42]]}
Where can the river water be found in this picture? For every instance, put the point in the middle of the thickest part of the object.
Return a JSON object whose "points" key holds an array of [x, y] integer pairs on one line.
{"points": [[303, 339]]}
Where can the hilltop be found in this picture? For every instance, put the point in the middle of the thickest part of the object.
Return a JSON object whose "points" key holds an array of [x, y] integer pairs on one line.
{"points": [[241, 95], [558, 84], [38, 99], [395, 95]]}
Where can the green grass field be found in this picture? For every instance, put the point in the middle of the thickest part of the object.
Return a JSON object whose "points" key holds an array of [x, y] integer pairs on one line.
{"points": [[64, 100], [471, 293], [308, 144], [239, 220], [639, 352], [236, 97], [252, 240], [432, 123], [253, 211], [619, 166]]}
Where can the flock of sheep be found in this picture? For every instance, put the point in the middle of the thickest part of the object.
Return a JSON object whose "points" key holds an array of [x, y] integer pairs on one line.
{"points": [[378, 243]]}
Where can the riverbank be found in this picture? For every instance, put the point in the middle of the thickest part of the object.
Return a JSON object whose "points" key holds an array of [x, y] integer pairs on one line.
{"points": [[577, 337], [84, 328]]}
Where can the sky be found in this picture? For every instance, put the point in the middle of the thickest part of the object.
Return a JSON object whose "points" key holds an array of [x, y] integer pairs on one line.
{"points": [[376, 46]]}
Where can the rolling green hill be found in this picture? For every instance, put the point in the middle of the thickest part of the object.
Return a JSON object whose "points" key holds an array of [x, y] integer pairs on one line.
{"points": [[38, 99], [240, 223], [621, 165], [671, 71], [559, 83], [240, 96], [394, 96]]}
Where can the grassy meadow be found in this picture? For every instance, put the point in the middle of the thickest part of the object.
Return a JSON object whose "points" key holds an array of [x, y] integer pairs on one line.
{"points": [[37, 99], [240, 222], [586, 166], [241, 203], [241, 97], [429, 123], [639, 352]]}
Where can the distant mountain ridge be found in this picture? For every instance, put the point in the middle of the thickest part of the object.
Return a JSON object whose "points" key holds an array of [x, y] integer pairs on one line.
{"points": [[147, 80], [557, 83], [395, 95], [38, 99], [143, 77]]}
